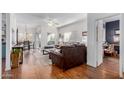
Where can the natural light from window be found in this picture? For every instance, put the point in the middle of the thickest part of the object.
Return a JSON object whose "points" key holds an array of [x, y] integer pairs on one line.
{"points": [[51, 39], [67, 36], [84, 40]]}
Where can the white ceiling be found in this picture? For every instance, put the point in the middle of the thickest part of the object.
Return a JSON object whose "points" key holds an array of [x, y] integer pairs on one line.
{"points": [[38, 18]]}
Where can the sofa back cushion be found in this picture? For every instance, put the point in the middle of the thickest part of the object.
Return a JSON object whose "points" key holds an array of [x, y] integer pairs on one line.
{"points": [[74, 54]]}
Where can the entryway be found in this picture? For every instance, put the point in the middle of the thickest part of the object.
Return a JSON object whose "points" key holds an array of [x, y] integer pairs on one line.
{"points": [[108, 42]]}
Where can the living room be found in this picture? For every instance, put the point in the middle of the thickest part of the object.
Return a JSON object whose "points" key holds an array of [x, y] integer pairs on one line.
{"points": [[61, 46], [42, 32], [39, 38]]}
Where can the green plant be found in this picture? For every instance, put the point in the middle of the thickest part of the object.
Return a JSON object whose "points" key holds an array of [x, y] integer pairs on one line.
{"points": [[15, 50]]}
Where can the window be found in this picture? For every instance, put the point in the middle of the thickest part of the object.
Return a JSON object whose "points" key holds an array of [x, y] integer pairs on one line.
{"points": [[25, 36], [67, 36], [116, 37], [51, 39], [21, 37], [117, 32], [29, 36], [84, 38]]}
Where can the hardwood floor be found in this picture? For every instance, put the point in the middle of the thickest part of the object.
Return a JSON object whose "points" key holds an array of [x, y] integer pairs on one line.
{"points": [[38, 66]]}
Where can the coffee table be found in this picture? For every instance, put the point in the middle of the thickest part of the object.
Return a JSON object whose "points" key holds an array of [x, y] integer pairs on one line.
{"points": [[47, 51]]}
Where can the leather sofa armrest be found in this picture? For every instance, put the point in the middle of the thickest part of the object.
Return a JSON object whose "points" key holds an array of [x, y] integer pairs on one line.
{"points": [[59, 54], [57, 59]]}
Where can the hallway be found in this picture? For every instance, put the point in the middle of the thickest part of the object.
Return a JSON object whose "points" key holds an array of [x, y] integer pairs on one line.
{"points": [[38, 66]]}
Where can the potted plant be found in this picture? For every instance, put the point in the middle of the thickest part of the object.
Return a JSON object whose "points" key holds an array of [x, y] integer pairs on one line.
{"points": [[15, 57]]}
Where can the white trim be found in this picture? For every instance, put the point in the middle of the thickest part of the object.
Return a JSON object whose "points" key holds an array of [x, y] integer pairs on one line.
{"points": [[0, 46], [121, 70], [99, 41]]}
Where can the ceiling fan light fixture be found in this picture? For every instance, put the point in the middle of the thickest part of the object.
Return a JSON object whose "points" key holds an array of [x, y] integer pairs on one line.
{"points": [[50, 24]]}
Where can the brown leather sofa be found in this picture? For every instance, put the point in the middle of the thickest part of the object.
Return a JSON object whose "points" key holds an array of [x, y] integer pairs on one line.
{"points": [[69, 56]]}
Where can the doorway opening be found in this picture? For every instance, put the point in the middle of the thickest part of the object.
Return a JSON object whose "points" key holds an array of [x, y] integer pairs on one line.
{"points": [[108, 43]]}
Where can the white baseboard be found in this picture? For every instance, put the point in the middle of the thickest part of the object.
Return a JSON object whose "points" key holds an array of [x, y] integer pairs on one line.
{"points": [[7, 68]]}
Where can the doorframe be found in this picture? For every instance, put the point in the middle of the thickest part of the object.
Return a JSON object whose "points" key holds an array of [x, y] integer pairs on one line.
{"points": [[120, 43], [0, 45], [97, 41]]}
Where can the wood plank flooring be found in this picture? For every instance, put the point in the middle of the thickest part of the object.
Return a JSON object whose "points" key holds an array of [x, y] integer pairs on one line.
{"points": [[38, 66]]}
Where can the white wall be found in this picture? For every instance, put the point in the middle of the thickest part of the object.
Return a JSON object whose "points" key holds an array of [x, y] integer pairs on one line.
{"points": [[14, 27], [76, 28], [0, 45], [91, 48], [10, 24]]}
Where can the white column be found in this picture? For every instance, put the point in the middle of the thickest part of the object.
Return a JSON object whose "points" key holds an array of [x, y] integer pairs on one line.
{"points": [[0, 46], [91, 43], [121, 62], [8, 41]]}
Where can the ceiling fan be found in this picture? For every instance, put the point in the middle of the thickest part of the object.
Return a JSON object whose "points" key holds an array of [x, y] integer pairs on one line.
{"points": [[52, 22]]}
